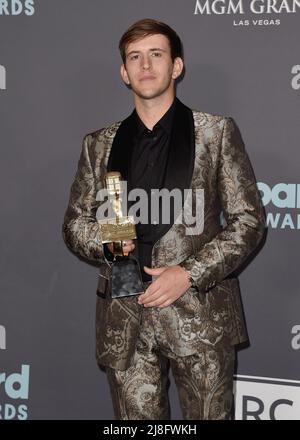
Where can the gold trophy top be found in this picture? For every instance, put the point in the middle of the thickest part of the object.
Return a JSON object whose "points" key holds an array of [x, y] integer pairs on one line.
{"points": [[120, 227]]}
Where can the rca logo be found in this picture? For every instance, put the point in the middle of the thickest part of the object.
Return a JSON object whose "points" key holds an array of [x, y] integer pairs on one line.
{"points": [[254, 408], [2, 78], [263, 398], [296, 78]]}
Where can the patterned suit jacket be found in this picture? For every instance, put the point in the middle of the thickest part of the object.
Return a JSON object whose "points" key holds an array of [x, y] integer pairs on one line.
{"points": [[207, 152]]}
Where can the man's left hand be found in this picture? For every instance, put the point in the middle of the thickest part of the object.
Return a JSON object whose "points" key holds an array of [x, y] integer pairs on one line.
{"points": [[171, 283]]}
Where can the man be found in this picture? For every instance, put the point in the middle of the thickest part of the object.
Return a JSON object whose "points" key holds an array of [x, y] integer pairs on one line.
{"points": [[190, 315]]}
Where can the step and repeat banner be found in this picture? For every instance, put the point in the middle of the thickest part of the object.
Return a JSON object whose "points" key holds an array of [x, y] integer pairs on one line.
{"points": [[59, 80]]}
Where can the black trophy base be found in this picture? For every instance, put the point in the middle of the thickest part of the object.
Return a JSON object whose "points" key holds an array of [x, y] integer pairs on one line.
{"points": [[126, 277]]}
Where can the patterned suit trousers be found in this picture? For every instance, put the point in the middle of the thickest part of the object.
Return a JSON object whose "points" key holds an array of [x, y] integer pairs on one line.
{"points": [[204, 380]]}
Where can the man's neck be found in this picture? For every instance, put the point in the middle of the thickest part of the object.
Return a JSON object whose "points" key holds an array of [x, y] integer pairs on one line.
{"points": [[152, 110]]}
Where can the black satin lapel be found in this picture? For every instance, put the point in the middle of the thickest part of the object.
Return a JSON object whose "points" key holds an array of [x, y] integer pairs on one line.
{"points": [[121, 150], [181, 157]]}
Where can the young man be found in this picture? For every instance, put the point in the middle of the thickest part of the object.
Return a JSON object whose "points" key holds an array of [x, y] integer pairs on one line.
{"points": [[190, 315]]}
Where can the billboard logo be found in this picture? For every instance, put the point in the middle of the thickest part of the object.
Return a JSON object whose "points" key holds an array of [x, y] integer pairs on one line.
{"points": [[285, 196], [2, 78], [295, 343], [2, 337], [263, 398], [296, 78], [15, 386], [17, 7]]}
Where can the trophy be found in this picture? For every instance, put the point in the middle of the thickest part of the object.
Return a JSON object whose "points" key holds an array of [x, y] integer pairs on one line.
{"points": [[125, 277]]}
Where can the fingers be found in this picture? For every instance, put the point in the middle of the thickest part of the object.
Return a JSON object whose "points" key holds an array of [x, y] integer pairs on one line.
{"points": [[166, 303], [128, 246], [149, 296], [157, 301], [154, 271]]}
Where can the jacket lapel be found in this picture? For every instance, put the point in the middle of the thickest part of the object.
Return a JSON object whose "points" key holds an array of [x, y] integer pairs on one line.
{"points": [[122, 146], [182, 149], [181, 157]]}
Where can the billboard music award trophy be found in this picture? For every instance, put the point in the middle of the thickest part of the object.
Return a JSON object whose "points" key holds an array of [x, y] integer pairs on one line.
{"points": [[126, 277]]}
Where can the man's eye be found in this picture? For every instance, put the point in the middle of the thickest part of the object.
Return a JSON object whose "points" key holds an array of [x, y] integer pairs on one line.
{"points": [[157, 54], [134, 57]]}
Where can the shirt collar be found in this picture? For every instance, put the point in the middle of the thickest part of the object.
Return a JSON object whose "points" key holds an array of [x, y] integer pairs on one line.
{"points": [[165, 121]]}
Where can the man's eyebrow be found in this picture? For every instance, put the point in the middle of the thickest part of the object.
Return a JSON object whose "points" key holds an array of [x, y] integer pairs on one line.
{"points": [[153, 49]]}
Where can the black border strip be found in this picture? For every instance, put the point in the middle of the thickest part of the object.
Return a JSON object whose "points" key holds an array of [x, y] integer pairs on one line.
{"points": [[266, 381]]}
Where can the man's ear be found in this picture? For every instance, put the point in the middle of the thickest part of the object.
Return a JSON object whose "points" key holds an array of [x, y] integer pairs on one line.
{"points": [[124, 75], [177, 67]]}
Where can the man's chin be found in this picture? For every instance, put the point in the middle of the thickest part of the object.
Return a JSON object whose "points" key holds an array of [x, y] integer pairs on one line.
{"points": [[149, 94]]}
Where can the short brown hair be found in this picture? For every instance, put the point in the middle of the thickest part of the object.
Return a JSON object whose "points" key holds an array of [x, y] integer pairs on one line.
{"points": [[148, 26]]}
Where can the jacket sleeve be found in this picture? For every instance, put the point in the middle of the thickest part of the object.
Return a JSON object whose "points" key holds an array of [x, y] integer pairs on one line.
{"points": [[243, 211], [80, 230]]}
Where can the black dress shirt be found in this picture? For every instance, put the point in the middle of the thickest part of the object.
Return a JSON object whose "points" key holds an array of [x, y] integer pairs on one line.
{"points": [[148, 167]]}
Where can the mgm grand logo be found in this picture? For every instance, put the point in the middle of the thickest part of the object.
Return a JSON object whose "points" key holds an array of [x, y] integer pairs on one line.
{"points": [[242, 7]]}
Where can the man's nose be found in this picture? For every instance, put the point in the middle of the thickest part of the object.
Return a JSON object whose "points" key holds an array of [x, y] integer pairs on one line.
{"points": [[146, 64]]}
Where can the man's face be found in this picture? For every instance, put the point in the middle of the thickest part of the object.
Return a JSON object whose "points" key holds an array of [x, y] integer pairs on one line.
{"points": [[149, 69]]}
